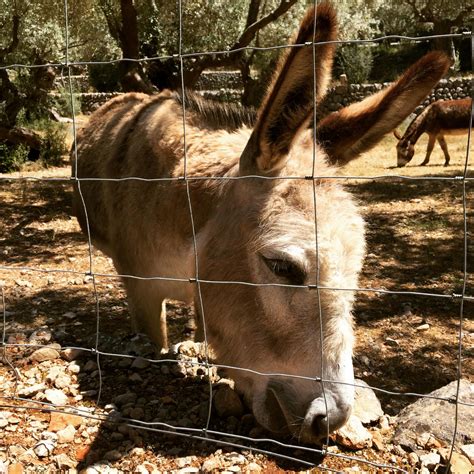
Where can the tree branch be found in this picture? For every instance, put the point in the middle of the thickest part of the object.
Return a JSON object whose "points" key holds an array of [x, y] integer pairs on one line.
{"points": [[15, 38], [249, 33], [418, 14], [245, 39]]}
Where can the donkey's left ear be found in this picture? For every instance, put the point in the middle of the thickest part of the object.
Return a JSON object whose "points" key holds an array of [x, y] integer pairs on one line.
{"points": [[358, 127], [289, 103]]}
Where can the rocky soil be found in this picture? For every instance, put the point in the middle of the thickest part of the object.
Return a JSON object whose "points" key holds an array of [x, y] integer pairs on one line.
{"points": [[64, 407]]}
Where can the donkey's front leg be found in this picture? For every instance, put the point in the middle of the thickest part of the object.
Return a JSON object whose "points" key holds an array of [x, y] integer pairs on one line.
{"points": [[429, 149], [147, 307], [444, 147]]}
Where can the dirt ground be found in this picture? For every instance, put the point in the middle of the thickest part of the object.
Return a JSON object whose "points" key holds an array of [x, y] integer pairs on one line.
{"points": [[405, 343]]}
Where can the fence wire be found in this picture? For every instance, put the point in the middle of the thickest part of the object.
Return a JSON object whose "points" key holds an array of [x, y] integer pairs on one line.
{"points": [[15, 402]]}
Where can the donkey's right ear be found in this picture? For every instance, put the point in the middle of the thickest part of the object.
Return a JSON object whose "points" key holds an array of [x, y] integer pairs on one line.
{"points": [[289, 102]]}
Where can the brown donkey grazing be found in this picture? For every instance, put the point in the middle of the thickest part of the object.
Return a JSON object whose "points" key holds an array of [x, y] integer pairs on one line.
{"points": [[254, 226], [443, 117]]}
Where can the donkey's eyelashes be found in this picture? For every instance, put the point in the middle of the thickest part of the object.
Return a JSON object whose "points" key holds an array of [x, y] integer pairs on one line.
{"points": [[286, 269]]}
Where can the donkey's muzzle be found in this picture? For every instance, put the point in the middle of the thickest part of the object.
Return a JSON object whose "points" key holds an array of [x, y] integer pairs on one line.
{"points": [[288, 408]]}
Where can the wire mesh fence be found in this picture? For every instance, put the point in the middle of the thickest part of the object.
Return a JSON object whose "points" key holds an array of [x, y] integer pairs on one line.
{"points": [[265, 444]]}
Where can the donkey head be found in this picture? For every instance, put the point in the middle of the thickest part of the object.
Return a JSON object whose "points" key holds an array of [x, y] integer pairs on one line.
{"points": [[405, 150], [287, 245], [268, 225]]}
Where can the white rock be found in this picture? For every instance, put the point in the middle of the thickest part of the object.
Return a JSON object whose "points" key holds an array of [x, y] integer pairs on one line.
{"points": [[67, 434], [468, 451], [56, 397], [423, 327], [31, 390], [53, 373], [430, 460], [44, 448], [210, 465], [63, 381], [73, 368], [367, 406], [235, 458], [353, 435], [64, 463], [253, 466]]}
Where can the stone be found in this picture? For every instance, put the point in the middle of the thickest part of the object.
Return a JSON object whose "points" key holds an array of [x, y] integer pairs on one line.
{"points": [[253, 467], [90, 366], [72, 354], [40, 336], [82, 452], [353, 435], [44, 353], [140, 363], [235, 458], [413, 459], [227, 402], [468, 451], [44, 448], [31, 390], [429, 415], [367, 406], [113, 455], [59, 421], [137, 413], [73, 368], [64, 463], [56, 397], [15, 468], [63, 381], [423, 327], [460, 464], [124, 398], [377, 441], [135, 378], [189, 348], [430, 460], [66, 435], [186, 461], [210, 465]]}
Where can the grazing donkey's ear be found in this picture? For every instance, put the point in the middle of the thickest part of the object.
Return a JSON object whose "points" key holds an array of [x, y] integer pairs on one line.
{"points": [[289, 102], [357, 128]]}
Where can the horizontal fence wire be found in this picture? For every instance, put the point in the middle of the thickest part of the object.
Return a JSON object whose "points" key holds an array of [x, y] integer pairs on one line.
{"points": [[178, 56], [205, 433]]}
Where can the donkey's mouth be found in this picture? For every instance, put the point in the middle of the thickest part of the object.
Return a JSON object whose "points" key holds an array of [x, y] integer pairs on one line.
{"points": [[282, 411], [279, 410]]}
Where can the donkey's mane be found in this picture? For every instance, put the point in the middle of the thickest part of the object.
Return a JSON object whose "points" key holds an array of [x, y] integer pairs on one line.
{"points": [[216, 115]]}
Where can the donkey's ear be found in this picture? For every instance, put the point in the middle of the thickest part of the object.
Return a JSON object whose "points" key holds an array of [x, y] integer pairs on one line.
{"points": [[289, 103], [357, 128]]}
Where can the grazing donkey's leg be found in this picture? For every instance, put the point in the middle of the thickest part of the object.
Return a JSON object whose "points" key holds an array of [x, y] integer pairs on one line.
{"points": [[444, 147], [147, 307], [429, 148]]}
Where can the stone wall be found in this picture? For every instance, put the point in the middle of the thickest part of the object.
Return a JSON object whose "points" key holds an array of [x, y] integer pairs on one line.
{"points": [[227, 86], [342, 95]]}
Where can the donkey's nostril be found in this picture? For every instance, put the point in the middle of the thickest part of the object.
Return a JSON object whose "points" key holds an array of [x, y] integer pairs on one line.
{"points": [[319, 426]]}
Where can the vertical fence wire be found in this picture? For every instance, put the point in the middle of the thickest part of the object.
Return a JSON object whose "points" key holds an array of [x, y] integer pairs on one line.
{"points": [[77, 182], [206, 432], [465, 274], [200, 307], [316, 239]]}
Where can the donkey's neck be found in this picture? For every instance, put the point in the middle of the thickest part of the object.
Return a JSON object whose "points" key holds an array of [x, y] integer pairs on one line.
{"points": [[416, 128]]}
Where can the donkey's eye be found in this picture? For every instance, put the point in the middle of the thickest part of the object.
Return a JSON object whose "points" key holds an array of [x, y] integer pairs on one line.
{"points": [[286, 269]]}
